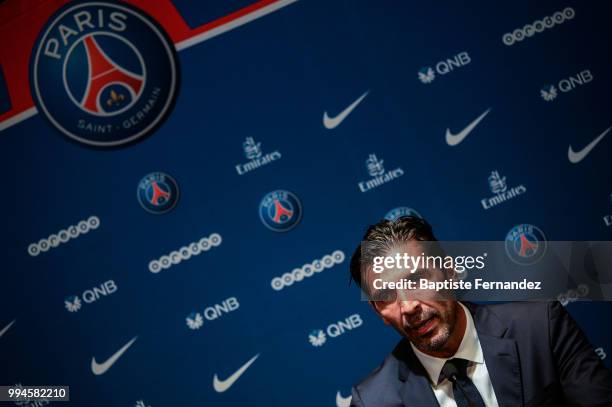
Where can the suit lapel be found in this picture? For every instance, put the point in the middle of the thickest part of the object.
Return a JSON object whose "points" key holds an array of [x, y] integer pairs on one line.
{"points": [[500, 354], [501, 357], [415, 389]]}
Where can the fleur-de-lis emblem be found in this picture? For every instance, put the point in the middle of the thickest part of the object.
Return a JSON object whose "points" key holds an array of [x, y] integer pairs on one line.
{"points": [[115, 98]]}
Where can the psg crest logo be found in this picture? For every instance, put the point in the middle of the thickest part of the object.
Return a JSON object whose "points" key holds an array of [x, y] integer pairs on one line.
{"points": [[158, 192], [103, 73], [525, 244], [400, 211], [280, 210]]}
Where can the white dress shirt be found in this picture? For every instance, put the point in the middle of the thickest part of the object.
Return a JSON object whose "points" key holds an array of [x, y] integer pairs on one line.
{"points": [[469, 349]]}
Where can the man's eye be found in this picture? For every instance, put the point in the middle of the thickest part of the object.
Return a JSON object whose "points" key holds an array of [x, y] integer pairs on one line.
{"points": [[386, 295], [420, 273]]}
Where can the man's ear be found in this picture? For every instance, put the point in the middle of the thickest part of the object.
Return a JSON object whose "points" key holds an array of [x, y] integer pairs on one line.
{"points": [[374, 306]]}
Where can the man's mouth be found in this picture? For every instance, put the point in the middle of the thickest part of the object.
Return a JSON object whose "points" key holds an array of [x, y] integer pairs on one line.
{"points": [[424, 327]]}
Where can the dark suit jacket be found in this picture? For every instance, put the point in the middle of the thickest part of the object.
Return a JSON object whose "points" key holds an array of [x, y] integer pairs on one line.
{"points": [[535, 353]]}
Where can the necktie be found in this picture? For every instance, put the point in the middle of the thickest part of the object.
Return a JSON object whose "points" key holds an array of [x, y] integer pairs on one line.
{"points": [[466, 394]]}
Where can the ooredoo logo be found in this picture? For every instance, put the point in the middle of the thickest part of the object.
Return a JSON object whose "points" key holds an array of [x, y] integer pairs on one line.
{"points": [[185, 253], [307, 270], [63, 236], [538, 26], [103, 73]]}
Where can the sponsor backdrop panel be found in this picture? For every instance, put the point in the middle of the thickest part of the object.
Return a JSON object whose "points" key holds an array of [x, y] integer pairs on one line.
{"points": [[187, 181]]}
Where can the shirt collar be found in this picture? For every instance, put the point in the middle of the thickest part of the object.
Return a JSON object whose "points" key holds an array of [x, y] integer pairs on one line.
{"points": [[469, 349]]}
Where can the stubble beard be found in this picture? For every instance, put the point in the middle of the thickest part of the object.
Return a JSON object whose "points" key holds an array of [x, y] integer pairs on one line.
{"points": [[438, 341]]}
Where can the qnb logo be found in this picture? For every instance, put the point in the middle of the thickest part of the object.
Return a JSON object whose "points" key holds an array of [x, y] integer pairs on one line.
{"points": [[185, 253], [377, 171], [601, 353], [195, 320], [573, 295], [103, 73], [252, 151], [64, 235], [565, 85], [538, 26], [141, 403], [548, 92], [318, 337], [73, 303], [428, 74], [308, 270], [498, 186]]}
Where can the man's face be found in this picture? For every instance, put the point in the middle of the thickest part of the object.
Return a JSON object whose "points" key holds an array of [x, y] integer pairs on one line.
{"points": [[425, 317]]}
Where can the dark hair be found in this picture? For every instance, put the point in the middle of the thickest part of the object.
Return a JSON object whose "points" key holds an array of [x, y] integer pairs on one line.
{"points": [[382, 236]]}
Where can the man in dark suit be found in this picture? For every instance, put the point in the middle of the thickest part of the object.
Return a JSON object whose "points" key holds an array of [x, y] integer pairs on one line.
{"points": [[468, 355]]}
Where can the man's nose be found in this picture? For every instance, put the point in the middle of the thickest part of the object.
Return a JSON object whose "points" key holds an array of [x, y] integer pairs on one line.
{"points": [[408, 307]]}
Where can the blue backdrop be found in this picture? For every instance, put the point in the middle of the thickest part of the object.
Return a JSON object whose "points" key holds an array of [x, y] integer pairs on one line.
{"points": [[272, 79]]}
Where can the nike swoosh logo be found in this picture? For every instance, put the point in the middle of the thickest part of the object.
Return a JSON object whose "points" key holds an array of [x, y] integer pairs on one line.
{"points": [[333, 122], [454, 139], [576, 157], [101, 368], [222, 385], [6, 328], [342, 401]]}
